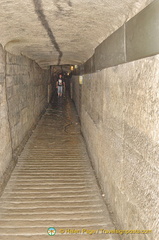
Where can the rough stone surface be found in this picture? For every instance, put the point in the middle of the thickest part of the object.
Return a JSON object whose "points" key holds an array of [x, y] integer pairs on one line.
{"points": [[111, 52], [23, 97], [47, 30], [136, 39], [142, 33], [26, 93], [76, 93], [5, 138], [119, 117], [53, 184]]}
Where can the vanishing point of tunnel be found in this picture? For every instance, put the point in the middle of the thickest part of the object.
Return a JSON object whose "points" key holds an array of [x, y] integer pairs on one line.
{"points": [[79, 119]]}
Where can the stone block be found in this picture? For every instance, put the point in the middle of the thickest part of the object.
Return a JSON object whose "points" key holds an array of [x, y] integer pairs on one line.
{"points": [[2, 68], [2, 78], [9, 81], [142, 33], [124, 144], [111, 51], [23, 93], [112, 157], [136, 140], [2, 55], [10, 58], [10, 70], [9, 92], [89, 65], [140, 182]]}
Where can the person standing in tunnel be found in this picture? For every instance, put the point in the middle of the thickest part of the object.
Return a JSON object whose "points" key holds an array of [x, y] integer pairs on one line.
{"points": [[59, 85]]}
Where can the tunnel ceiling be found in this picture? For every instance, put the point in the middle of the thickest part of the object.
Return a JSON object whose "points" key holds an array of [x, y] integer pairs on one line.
{"points": [[55, 32]]}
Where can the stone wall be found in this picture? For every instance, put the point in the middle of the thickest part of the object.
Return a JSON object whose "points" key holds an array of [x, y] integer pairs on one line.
{"points": [[136, 39], [119, 117], [23, 94], [119, 120], [5, 138], [76, 93]]}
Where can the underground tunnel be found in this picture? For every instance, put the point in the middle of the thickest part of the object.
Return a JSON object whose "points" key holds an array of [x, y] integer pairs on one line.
{"points": [[79, 119]]}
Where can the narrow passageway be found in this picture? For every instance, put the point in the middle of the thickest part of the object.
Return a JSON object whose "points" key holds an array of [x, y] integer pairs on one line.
{"points": [[53, 184]]}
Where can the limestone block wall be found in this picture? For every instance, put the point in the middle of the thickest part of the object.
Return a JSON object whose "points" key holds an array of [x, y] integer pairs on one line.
{"points": [[76, 93], [5, 138], [26, 93], [23, 95], [119, 117]]}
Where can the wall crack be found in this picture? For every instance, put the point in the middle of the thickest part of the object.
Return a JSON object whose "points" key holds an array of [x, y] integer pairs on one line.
{"points": [[40, 13]]}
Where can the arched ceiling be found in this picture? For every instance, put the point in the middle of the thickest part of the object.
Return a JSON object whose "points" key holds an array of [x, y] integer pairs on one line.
{"points": [[61, 31]]}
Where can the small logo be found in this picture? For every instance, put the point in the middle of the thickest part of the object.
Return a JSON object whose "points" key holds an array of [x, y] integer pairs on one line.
{"points": [[51, 231]]}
